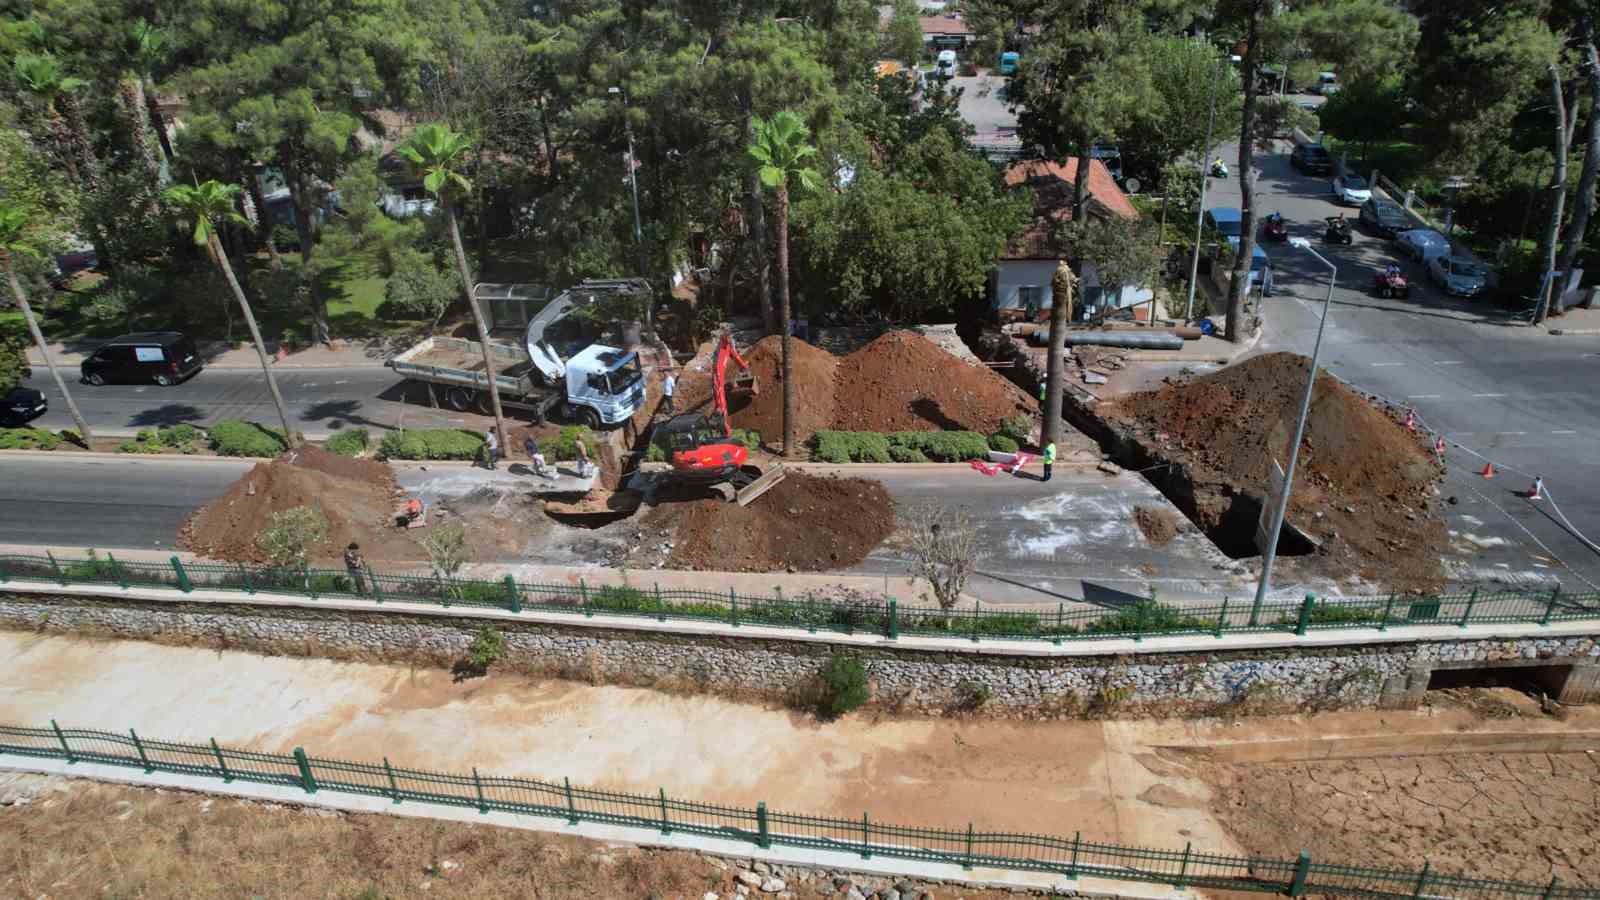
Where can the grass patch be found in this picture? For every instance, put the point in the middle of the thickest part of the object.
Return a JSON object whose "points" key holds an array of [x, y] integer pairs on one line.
{"points": [[232, 437], [28, 439], [349, 442], [431, 443]]}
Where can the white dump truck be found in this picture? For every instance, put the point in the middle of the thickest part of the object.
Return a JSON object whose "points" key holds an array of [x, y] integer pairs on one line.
{"points": [[592, 384]]}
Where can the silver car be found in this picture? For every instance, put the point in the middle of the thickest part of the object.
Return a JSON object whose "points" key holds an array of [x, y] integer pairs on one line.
{"points": [[1351, 190], [1458, 276], [1423, 244]]}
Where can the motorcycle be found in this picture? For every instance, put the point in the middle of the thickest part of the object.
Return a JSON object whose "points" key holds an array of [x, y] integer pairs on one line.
{"points": [[1338, 231], [1219, 169], [1274, 228], [1390, 282]]}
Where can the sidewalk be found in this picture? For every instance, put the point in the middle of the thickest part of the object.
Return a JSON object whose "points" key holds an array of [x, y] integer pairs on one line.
{"points": [[242, 355], [1573, 321]]}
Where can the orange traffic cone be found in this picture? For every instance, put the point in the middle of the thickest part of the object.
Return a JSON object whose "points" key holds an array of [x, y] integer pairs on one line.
{"points": [[1537, 491], [1488, 470]]}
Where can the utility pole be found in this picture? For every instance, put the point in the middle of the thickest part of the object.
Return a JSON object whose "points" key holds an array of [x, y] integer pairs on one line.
{"points": [[1200, 213], [633, 183]]}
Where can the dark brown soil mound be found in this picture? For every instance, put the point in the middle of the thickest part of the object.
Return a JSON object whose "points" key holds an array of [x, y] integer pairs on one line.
{"points": [[357, 496], [1364, 484], [1160, 526], [904, 382], [813, 390], [807, 523]]}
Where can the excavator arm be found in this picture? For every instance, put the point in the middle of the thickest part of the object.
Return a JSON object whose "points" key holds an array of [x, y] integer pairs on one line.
{"points": [[719, 379]]}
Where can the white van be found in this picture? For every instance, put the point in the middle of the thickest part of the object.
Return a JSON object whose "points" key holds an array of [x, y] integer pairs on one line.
{"points": [[946, 65]]}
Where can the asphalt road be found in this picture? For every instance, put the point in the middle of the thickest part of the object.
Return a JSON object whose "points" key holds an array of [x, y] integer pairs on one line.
{"points": [[319, 400], [1495, 388]]}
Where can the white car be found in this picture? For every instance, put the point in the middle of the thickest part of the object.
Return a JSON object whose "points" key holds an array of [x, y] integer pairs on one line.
{"points": [[1423, 244], [1351, 190], [1458, 276]]}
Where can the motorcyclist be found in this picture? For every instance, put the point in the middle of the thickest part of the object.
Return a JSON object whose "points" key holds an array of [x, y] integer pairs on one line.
{"points": [[1219, 168], [1391, 271]]}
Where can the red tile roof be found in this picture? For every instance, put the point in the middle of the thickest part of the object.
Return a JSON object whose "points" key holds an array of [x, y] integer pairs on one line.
{"points": [[943, 25], [1052, 185]]}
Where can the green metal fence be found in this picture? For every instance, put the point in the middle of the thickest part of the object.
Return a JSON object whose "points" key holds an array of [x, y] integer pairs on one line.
{"points": [[760, 826], [1136, 620]]}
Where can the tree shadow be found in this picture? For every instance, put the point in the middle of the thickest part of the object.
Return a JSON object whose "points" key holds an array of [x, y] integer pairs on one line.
{"points": [[1109, 597], [170, 414], [929, 411], [340, 413]]}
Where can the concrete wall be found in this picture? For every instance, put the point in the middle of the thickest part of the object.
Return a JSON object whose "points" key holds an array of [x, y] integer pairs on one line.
{"points": [[1387, 671], [1012, 274]]}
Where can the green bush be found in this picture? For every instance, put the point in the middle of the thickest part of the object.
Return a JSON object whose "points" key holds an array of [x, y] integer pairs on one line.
{"points": [[750, 439], [232, 437], [907, 455], [1148, 616], [349, 442], [565, 445], [1323, 613], [158, 440], [139, 445], [844, 685], [28, 439], [1003, 443], [655, 453], [92, 569], [1017, 427], [944, 446], [486, 647], [850, 446], [431, 443]]}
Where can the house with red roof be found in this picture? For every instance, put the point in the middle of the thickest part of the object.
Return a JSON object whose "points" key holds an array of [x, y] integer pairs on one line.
{"points": [[1020, 282]]}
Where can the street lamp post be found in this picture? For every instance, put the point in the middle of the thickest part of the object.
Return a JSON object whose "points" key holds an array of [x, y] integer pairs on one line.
{"points": [[633, 184], [1200, 213], [1269, 553]]}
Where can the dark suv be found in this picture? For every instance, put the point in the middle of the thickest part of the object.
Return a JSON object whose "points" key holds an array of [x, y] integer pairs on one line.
{"points": [[1384, 217], [165, 357], [1312, 159]]}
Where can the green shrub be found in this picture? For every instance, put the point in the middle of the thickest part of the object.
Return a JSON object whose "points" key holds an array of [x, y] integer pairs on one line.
{"points": [[565, 445], [1323, 613], [349, 442], [431, 443], [28, 439], [232, 437], [844, 685], [907, 455], [486, 647], [1003, 443], [655, 453], [944, 446], [750, 439], [850, 446], [1017, 427], [139, 445], [1148, 616], [159, 440], [92, 569], [180, 436]]}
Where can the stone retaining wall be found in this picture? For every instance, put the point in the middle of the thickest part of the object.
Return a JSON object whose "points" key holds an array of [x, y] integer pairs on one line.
{"points": [[1390, 674]]}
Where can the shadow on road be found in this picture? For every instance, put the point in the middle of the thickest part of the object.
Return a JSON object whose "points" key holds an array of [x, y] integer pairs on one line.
{"points": [[1109, 597], [170, 414]]}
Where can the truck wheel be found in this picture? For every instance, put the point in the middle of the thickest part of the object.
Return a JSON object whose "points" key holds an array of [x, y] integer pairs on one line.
{"points": [[460, 399], [484, 403], [588, 418]]}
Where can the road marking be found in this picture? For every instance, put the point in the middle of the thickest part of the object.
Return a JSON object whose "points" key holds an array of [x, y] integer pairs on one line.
{"points": [[1381, 365], [1563, 432], [1422, 396], [1488, 395], [342, 382], [1510, 432], [1448, 362]]}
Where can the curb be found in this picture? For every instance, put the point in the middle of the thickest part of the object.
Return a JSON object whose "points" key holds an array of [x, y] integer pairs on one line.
{"points": [[1575, 331], [233, 367]]}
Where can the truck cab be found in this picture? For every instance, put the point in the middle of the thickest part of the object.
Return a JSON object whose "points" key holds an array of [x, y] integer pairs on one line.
{"points": [[605, 385]]}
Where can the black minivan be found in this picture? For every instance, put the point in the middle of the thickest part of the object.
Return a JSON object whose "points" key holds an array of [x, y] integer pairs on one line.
{"points": [[165, 357]]}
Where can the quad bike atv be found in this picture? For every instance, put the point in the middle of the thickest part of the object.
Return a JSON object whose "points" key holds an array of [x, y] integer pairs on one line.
{"points": [[1390, 282]]}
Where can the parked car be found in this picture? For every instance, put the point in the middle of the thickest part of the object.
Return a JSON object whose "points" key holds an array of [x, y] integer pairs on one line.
{"points": [[1327, 84], [1351, 190], [1459, 276], [1008, 62], [164, 357], [1384, 217], [21, 405], [1261, 271], [945, 65], [1312, 159], [1226, 221], [1422, 244]]}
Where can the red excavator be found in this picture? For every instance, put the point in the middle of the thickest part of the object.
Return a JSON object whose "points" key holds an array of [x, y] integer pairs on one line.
{"points": [[702, 449]]}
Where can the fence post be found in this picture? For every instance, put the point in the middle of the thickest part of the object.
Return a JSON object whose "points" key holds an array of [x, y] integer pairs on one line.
{"points": [[1383, 623], [733, 608], [894, 620], [1305, 614], [244, 575], [866, 843], [483, 806], [377, 591], [122, 575], [1183, 869], [1302, 871], [1138, 629], [222, 764], [1222, 618], [139, 746], [60, 575], [1422, 881], [516, 595], [666, 825], [63, 739], [183, 577], [1061, 621], [4, 575], [572, 808], [583, 593], [306, 779], [977, 611], [968, 863], [1072, 867], [1549, 610], [394, 787], [305, 574], [763, 827], [1550, 889], [1471, 602], [661, 606]]}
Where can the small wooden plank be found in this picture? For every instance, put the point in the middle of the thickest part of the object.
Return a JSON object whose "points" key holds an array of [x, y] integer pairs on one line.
{"points": [[761, 485]]}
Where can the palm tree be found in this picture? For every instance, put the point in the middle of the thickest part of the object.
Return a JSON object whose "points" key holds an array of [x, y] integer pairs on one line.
{"points": [[41, 76], [437, 154], [206, 204], [782, 151], [14, 240], [150, 47], [145, 44]]}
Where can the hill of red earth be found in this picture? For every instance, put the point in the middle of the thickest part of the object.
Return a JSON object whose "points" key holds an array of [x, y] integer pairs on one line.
{"points": [[900, 382], [807, 523], [1365, 485]]}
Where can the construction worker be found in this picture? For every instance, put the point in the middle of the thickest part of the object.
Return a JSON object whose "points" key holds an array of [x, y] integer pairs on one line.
{"points": [[540, 468], [1049, 458], [585, 469], [669, 384], [491, 449], [356, 566]]}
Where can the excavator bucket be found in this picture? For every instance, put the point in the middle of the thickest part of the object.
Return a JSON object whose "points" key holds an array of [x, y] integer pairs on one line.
{"points": [[768, 480], [743, 384]]}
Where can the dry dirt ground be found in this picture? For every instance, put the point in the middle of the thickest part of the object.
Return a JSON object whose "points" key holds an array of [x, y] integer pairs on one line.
{"points": [[84, 839]]}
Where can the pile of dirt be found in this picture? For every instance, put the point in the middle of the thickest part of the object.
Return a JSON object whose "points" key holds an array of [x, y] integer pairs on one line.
{"points": [[807, 523], [1364, 487], [357, 496], [901, 381], [1159, 526]]}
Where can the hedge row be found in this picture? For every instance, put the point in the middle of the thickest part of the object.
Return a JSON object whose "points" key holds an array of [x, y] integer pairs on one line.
{"points": [[432, 443], [349, 442], [28, 439], [181, 437], [232, 437], [899, 446]]}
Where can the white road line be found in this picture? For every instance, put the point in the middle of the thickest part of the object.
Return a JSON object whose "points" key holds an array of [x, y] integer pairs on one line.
{"points": [[1510, 432], [1422, 396], [1448, 362], [1381, 365], [1488, 396], [1563, 432]]}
